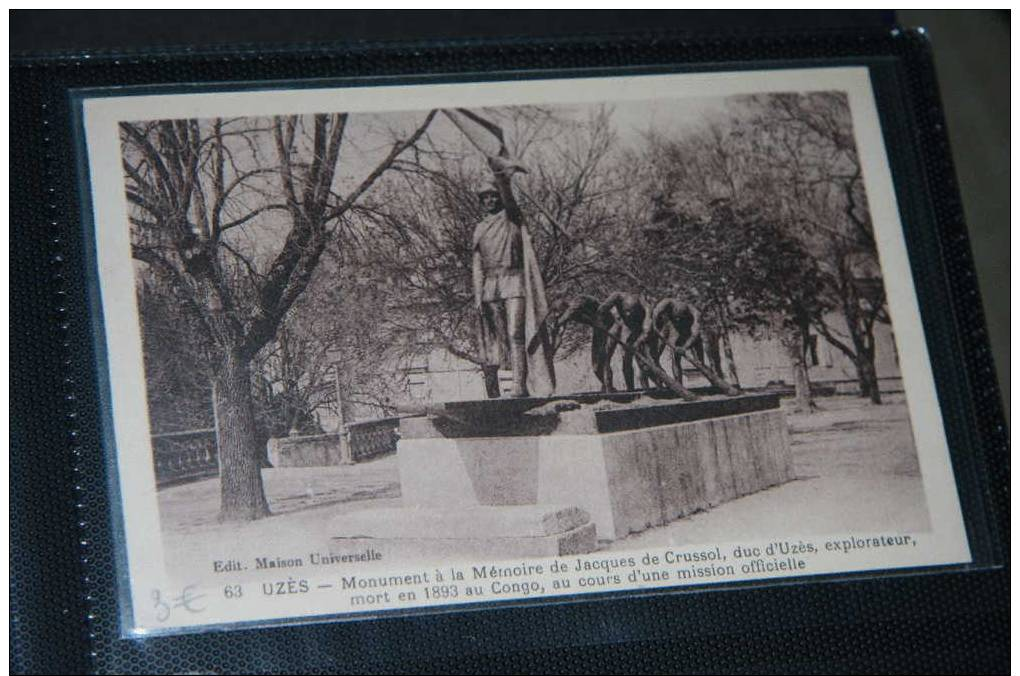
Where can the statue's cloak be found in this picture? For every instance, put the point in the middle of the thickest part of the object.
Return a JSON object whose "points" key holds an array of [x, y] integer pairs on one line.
{"points": [[492, 334]]}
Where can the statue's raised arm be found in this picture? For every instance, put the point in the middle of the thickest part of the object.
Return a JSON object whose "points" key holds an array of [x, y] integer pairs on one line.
{"points": [[503, 170], [509, 293]]}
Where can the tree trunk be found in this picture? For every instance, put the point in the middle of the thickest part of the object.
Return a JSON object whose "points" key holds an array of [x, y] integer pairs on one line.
{"points": [[868, 378], [242, 497], [802, 388], [863, 386], [490, 376], [731, 365], [797, 348], [864, 357]]}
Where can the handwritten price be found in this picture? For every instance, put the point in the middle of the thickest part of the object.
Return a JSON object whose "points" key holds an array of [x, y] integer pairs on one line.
{"points": [[188, 600]]}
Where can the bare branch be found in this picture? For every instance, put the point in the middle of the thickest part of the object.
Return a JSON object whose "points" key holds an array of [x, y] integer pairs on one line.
{"points": [[397, 149]]}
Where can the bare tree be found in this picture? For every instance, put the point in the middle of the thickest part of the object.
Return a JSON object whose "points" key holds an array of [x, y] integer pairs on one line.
{"points": [[807, 143], [239, 231], [788, 160]]}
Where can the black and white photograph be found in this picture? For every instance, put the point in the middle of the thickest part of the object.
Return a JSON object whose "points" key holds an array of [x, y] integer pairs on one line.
{"points": [[391, 347]]}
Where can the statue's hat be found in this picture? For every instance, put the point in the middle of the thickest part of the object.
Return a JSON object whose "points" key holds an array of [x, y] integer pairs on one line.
{"points": [[486, 188]]}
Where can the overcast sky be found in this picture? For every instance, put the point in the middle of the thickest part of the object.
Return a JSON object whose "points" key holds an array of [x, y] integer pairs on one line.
{"points": [[369, 136]]}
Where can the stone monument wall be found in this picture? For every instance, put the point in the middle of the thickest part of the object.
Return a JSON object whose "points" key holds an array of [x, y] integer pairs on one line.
{"points": [[629, 469]]}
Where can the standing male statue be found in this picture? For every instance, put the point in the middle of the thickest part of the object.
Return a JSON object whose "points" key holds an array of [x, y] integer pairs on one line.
{"points": [[508, 289]]}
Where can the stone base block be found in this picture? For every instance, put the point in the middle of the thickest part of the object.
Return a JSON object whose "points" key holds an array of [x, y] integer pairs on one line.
{"points": [[471, 533], [630, 469]]}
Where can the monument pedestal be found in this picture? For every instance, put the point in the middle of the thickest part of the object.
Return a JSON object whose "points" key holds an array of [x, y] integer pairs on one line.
{"points": [[503, 478], [629, 465]]}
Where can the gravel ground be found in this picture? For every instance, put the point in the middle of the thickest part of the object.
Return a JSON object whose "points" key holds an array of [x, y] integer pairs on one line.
{"points": [[292, 489]]}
